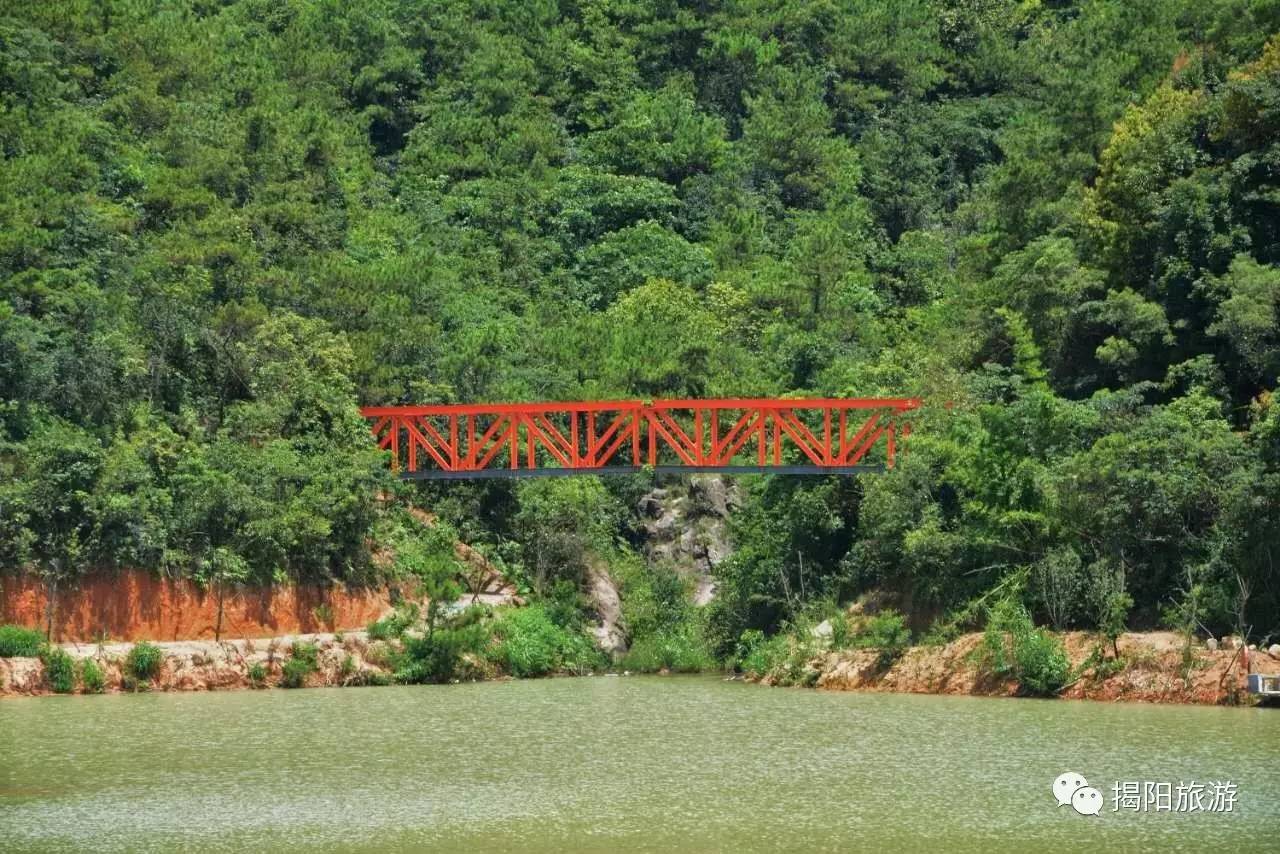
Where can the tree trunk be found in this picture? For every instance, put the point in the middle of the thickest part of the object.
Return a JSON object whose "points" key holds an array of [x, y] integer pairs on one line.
{"points": [[48, 607], [217, 629]]}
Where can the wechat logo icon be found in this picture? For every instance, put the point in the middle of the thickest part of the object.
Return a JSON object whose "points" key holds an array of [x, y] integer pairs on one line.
{"points": [[1072, 788]]}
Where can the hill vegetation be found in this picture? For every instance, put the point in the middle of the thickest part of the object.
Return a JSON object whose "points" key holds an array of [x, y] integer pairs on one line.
{"points": [[225, 223]]}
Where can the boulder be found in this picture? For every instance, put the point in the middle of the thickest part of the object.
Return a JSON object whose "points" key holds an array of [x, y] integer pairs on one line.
{"points": [[603, 594], [1274, 650], [1211, 644], [710, 494]]}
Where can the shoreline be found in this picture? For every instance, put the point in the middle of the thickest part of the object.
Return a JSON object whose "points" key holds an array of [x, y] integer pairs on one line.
{"points": [[1151, 669]]}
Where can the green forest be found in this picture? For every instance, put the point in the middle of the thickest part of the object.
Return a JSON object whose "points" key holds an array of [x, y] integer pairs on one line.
{"points": [[226, 224]]}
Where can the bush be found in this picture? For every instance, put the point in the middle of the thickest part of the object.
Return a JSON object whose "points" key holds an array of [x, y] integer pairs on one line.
{"points": [[304, 661], [92, 677], [308, 653], [295, 672], [438, 657], [394, 625], [887, 632], [681, 651], [1043, 667], [782, 657], [382, 654], [59, 669], [529, 643], [20, 642], [144, 660], [1013, 647]]}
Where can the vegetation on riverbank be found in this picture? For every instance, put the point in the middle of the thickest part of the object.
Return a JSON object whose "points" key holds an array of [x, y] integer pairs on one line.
{"points": [[868, 654], [224, 225]]}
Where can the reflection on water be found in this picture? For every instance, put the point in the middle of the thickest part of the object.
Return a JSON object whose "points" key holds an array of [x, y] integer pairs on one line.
{"points": [[613, 764]]}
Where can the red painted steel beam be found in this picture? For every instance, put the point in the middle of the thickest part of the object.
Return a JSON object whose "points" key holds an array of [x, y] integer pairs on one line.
{"points": [[505, 439]]}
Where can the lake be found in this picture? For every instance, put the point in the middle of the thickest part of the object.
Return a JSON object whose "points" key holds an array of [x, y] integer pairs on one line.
{"points": [[612, 763]]}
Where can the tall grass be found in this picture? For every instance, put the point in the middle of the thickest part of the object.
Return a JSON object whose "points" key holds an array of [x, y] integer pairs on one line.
{"points": [[19, 642]]}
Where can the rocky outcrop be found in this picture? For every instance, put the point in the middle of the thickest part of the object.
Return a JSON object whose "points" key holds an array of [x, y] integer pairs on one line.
{"points": [[610, 634], [687, 525], [1151, 671]]}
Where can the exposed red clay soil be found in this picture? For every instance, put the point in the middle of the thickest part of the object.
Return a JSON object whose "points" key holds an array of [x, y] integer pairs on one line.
{"points": [[134, 604], [1152, 671], [139, 605]]}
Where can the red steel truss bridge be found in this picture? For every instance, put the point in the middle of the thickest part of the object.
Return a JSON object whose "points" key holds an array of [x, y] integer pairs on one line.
{"points": [[735, 436]]}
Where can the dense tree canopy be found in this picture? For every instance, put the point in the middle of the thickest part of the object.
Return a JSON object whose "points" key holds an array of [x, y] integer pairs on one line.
{"points": [[223, 223]]}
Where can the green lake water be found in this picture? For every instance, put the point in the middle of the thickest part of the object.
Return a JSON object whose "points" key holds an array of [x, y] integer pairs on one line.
{"points": [[616, 764]]}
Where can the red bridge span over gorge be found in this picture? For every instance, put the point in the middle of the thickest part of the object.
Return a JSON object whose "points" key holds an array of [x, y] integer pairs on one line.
{"points": [[734, 436]]}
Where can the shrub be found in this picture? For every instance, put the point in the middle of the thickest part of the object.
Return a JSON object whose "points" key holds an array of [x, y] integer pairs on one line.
{"points": [[530, 643], [381, 654], [304, 661], [887, 632], [681, 651], [59, 669], [92, 677], [1013, 647], [1100, 665], [395, 624], [257, 674], [782, 657], [20, 642], [295, 672], [438, 656], [308, 653], [1042, 664], [144, 660]]}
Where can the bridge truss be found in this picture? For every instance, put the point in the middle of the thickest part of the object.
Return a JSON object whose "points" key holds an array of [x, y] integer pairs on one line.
{"points": [[781, 436]]}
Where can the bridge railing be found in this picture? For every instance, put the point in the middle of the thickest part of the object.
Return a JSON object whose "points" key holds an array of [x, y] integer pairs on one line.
{"points": [[803, 436]]}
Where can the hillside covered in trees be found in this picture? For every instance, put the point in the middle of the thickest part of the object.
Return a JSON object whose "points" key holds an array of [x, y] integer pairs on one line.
{"points": [[226, 223]]}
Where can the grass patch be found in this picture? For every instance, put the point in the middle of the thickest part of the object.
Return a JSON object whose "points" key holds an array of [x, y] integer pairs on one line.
{"points": [[20, 642]]}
